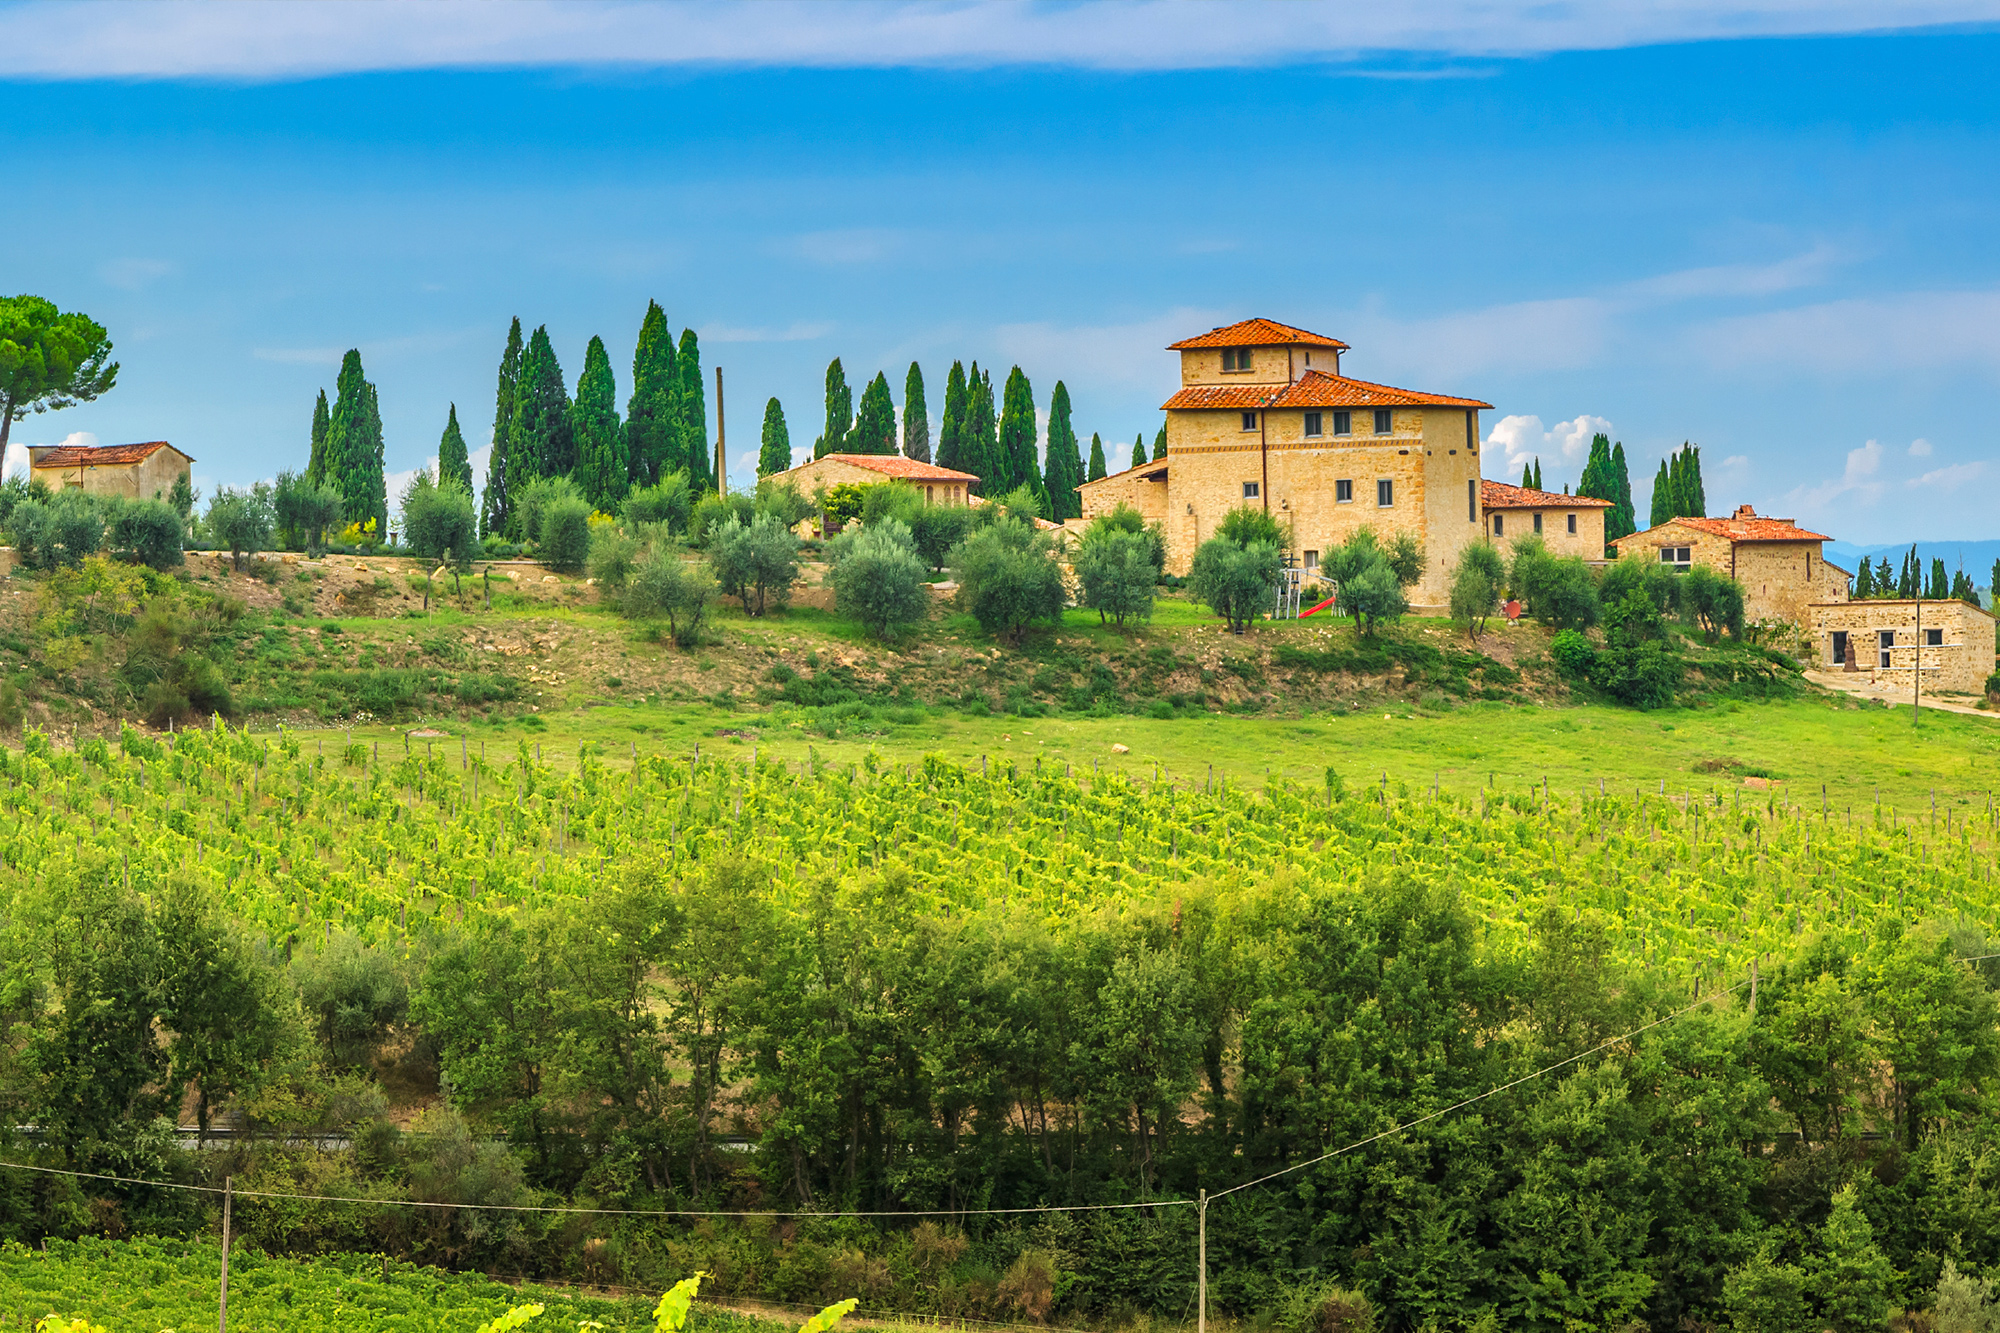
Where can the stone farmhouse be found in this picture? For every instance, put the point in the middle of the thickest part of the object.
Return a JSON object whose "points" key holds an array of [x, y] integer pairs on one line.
{"points": [[133, 471], [1567, 524], [939, 485], [1949, 642], [1778, 562], [1265, 417]]}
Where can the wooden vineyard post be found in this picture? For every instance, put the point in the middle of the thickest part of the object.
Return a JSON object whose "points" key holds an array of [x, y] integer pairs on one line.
{"points": [[1201, 1262], [222, 1292]]}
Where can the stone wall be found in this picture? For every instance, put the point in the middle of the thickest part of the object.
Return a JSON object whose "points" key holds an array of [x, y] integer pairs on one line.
{"points": [[1514, 524], [831, 471], [1960, 664], [1142, 488], [1781, 580]]}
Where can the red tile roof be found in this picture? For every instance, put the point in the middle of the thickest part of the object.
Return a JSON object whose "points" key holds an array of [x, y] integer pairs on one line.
{"points": [[102, 455], [1740, 530], [1315, 388], [1499, 495], [1256, 333], [906, 469]]}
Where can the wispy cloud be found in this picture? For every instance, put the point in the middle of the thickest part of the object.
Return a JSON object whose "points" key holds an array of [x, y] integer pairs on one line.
{"points": [[1784, 275], [1955, 475], [310, 38], [1900, 331], [852, 245], [1859, 480], [1522, 337]]}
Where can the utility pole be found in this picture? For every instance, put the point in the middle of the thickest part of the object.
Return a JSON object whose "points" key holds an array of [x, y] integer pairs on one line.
{"points": [[721, 453], [222, 1299], [1201, 1262], [1917, 666]]}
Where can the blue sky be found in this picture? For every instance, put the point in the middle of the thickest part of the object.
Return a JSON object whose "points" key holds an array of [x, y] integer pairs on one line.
{"points": [[1779, 245]]}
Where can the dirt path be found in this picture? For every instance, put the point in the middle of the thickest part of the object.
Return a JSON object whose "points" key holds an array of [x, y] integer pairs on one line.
{"points": [[1861, 687]]}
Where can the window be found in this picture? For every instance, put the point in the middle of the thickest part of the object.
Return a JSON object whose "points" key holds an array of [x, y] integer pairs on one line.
{"points": [[1676, 556], [1311, 559], [1343, 491], [1886, 640], [1472, 501], [1933, 638], [1538, 522], [1385, 493], [1249, 490], [1313, 421], [1572, 525], [1499, 525], [1235, 358], [1249, 421], [1382, 423], [1343, 423]]}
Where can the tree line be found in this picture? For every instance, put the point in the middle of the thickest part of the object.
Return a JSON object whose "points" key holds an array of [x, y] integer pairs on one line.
{"points": [[1908, 581]]}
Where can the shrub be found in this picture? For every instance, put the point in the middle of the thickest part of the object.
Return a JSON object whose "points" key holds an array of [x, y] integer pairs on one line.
{"points": [[669, 501], [890, 499], [1573, 653], [937, 529], [148, 533], [532, 506], [712, 511], [60, 532], [879, 580], [1556, 590], [1008, 579], [303, 512], [1125, 518], [1712, 601], [664, 583], [1656, 583], [1993, 688], [1371, 578], [1252, 523], [1476, 581], [439, 521], [786, 501], [1325, 1307], [1115, 567], [612, 554], [755, 561], [1643, 675], [241, 522], [839, 505], [353, 994], [565, 533], [1234, 581]]}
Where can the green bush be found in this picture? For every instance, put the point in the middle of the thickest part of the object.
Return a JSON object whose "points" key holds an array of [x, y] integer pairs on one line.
{"points": [[303, 512], [612, 555], [664, 583], [1643, 675], [787, 502], [565, 534], [1713, 602], [1325, 1307], [1124, 518], [1234, 581], [1476, 583], [1115, 568], [439, 521], [241, 521], [531, 507], [148, 533], [1556, 590], [755, 562], [937, 529], [1573, 653], [879, 580], [890, 499], [669, 501], [712, 511], [1371, 577], [1252, 523], [1007, 578], [60, 532]]}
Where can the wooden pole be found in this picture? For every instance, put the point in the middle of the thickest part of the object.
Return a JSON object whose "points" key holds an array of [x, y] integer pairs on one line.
{"points": [[1917, 666], [721, 451], [222, 1297], [1201, 1262]]}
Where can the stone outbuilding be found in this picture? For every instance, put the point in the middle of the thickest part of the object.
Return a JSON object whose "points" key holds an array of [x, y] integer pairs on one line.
{"points": [[1887, 638], [132, 471], [1567, 524], [938, 485], [1779, 563], [1265, 417]]}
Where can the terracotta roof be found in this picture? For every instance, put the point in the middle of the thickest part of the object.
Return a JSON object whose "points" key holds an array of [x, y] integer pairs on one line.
{"points": [[1499, 495], [102, 455], [895, 465], [1256, 333], [1315, 388], [1157, 466], [1740, 530]]}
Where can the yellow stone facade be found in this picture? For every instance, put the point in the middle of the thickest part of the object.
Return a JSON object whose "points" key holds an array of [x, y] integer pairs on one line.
{"points": [[938, 485], [131, 472], [1569, 525], [1779, 564], [1955, 651]]}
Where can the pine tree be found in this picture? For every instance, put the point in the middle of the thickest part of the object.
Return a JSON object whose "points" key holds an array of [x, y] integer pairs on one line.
{"points": [[603, 471], [875, 425], [695, 454], [353, 449], [1097, 472], [1663, 497], [1160, 444], [652, 415], [916, 417], [453, 464], [1622, 520], [1018, 457], [1864, 582], [951, 431], [495, 507], [839, 412], [1853, 1280], [316, 461], [1940, 584], [980, 445], [775, 453], [1062, 467]]}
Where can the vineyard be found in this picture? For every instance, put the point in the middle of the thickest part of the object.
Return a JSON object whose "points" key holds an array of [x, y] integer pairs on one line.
{"points": [[297, 837]]}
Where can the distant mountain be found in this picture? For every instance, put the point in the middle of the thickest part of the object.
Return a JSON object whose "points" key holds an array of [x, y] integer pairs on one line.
{"points": [[1976, 558]]}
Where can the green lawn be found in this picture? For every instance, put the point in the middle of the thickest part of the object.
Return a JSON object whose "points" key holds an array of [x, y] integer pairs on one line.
{"points": [[1858, 753]]}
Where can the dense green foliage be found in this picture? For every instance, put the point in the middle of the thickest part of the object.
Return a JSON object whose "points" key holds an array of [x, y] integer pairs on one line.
{"points": [[774, 450], [438, 520], [1678, 490], [454, 465], [839, 412], [755, 562], [652, 415], [49, 359], [602, 468], [1017, 456], [1007, 577], [878, 577], [1477, 581], [540, 443], [875, 424], [496, 512], [1062, 467], [352, 456], [1236, 578], [243, 521], [1370, 576], [916, 416], [693, 409], [951, 438], [1097, 472]]}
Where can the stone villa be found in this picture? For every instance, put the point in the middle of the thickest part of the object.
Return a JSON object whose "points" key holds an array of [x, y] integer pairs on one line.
{"points": [[1778, 562], [134, 471]]}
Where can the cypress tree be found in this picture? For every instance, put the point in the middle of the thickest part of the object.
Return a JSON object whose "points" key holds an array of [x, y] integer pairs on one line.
{"points": [[1885, 582], [1160, 443], [1909, 582], [352, 453], [1527, 476], [495, 507], [1096, 457], [1694, 493], [1018, 460], [1139, 449], [916, 417], [603, 470], [695, 454], [349, 388], [951, 431], [453, 464], [1621, 520], [1062, 465], [875, 425], [1939, 587], [1663, 497], [774, 455], [539, 441], [839, 412], [1538, 473], [1962, 589], [1993, 588], [1596, 482], [1864, 582], [652, 415], [980, 446], [316, 461]]}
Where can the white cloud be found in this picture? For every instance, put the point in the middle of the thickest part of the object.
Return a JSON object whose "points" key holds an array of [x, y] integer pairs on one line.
{"points": [[1903, 331], [309, 38], [1524, 439], [853, 245], [1920, 448], [1801, 270], [134, 275], [1523, 337], [16, 461], [1735, 461], [1857, 480], [1956, 474], [797, 332]]}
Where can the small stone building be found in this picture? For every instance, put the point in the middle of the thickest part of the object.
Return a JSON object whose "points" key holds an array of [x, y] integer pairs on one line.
{"points": [[1567, 524], [133, 471], [938, 485], [1887, 638], [1264, 417], [1778, 562]]}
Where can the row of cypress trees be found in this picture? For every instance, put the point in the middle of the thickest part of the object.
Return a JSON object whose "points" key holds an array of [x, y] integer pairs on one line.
{"points": [[1677, 490], [539, 431], [1605, 477], [1878, 580], [347, 446]]}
